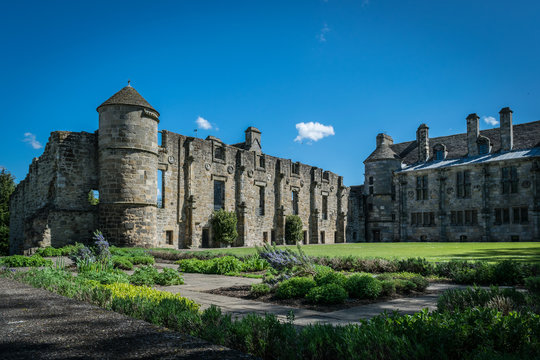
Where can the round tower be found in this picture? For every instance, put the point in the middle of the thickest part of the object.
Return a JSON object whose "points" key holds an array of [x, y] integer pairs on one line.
{"points": [[128, 159]]}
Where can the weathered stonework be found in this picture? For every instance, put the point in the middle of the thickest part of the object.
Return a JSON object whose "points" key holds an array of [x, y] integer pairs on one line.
{"points": [[123, 161]]}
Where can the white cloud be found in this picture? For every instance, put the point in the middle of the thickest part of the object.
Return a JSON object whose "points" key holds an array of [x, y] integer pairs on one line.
{"points": [[321, 36], [202, 123], [490, 120], [313, 131], [31, 139]]}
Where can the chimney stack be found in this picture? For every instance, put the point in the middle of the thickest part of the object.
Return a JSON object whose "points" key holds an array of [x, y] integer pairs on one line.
{"points": [[253, 139], [422, 139], [506, 130], [473, 131], [383, 139]]}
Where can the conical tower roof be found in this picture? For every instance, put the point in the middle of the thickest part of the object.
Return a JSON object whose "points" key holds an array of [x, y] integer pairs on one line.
{"points": [[128, 96], [383, 152]]}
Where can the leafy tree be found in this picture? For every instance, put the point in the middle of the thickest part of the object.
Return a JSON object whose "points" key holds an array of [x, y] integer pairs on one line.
{"points": [[224, 226], [293, 229], [7, 186]]}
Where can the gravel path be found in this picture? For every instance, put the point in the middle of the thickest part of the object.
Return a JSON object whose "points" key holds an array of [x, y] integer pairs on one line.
{"points": [[37, 324]]}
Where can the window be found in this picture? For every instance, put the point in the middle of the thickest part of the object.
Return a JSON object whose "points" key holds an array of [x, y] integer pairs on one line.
{"points": [[421, 219], [219, 194], [295, 202], [463, 238], [506, 216], [393, 217], [325, 207], [371, 190], [471, 217], [326, 176], [160, 189], [261, 201], [262, 163], [371, 180], [169, 237], [322, 237], [463, 184], [305, 237], [393, 192], [93, 197], [265, 236], [296, 168], [509, 180], [439, 154], [519, 215], [483, 148], [219, 152], [422, 187]]}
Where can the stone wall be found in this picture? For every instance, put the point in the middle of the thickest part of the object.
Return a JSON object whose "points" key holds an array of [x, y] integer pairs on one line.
{"points": [[50, 206]]}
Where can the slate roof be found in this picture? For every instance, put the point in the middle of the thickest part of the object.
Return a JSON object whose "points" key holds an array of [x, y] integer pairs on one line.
{"points": [[526, 136], [128, 96], [508, 155], [383, 152]]}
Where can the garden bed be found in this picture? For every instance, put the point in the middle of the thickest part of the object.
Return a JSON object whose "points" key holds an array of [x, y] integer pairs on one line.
{"points": [[244, 292]]}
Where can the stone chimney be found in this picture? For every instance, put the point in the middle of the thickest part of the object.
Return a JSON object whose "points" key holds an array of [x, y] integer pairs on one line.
{"points": [[422, 139], [506, 130], [253, 139], [473, 130], [383, 139]]}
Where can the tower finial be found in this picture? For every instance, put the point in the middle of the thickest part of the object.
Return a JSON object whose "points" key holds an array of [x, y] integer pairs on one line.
{"points": [[129, 81]]}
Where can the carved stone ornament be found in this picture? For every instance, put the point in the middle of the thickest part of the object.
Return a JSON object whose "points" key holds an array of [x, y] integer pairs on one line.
{"points": [[526, 184], [302, 183], [207, 167], [269, 177], [410, 194], [476, 188], [450, 190], [250, 173], [230, 169], [287, 181], [332, 188], [319, 186], [171, 159]]}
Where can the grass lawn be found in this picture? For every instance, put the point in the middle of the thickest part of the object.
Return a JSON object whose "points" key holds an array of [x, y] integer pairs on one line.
{"points": [[432, 251]]}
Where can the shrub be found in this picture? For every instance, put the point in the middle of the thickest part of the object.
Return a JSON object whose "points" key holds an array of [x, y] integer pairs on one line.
{"points": [[67, 250], [224, 226], [286, 260], [145, 275], [194, 266], [224, 265], [363, 286], [404, 286], [507, 272], [502, 300], [295, 287], [260, 289], [254, 263], [388, 288], [327, 294], [142, 260], [122, 262], [168, 277], [533, 285], [293, 229], [420, 282], [329, 277], [25, 261], [416, 265]]}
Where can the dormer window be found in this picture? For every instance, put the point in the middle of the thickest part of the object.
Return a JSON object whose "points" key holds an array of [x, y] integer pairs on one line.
{"points": [[484, 146], [439, 152]]}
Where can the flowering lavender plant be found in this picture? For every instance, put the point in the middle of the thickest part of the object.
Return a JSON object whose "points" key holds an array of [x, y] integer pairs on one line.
{"points": [[286, 260], [103, 253]]}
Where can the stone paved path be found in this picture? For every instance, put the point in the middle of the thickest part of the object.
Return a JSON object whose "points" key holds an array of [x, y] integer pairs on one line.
{"points": [[37, 324]]}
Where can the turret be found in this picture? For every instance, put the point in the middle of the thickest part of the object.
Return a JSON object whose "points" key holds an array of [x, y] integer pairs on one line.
{"points": [[253, 139], [128, 158]]}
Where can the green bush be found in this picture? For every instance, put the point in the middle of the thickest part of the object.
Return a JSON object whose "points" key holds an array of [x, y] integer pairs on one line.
{"points": [[225, 265], [142, 260], [508, 272], [194, 266], [168, 277], [329, 277], [105, 277], [260, 289], [532, 284], [327, 294], [24, 261], [254, 263], [416, 265], [388, 288], [145, 275], [404, 286], [224, 226], [293, 229], [500, 299], [420, 282], [295, 287], [67, 250], [122, 262], [363, 286]]}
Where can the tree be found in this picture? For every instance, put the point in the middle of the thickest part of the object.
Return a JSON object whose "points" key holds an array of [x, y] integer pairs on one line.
{"points": [[224, 226], [7, 186], [293, 229]]}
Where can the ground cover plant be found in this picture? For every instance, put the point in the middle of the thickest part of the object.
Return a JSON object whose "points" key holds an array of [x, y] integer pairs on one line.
{"points": [[24, 261], [225, 265], [471, 333]]}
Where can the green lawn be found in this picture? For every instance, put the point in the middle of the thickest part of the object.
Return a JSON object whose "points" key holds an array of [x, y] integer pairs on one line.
{"points": [[496, 251]]}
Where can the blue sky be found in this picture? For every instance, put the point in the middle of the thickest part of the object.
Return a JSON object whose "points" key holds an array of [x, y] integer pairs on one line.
{"points": [[361, 67]]}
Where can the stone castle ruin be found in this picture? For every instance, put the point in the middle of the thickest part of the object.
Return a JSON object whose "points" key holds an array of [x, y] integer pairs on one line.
{"points": [[124, 162], [475, 186]]}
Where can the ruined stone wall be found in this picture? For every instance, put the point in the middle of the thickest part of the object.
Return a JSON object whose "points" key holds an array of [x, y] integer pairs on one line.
{"points": [[50, 206]]}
